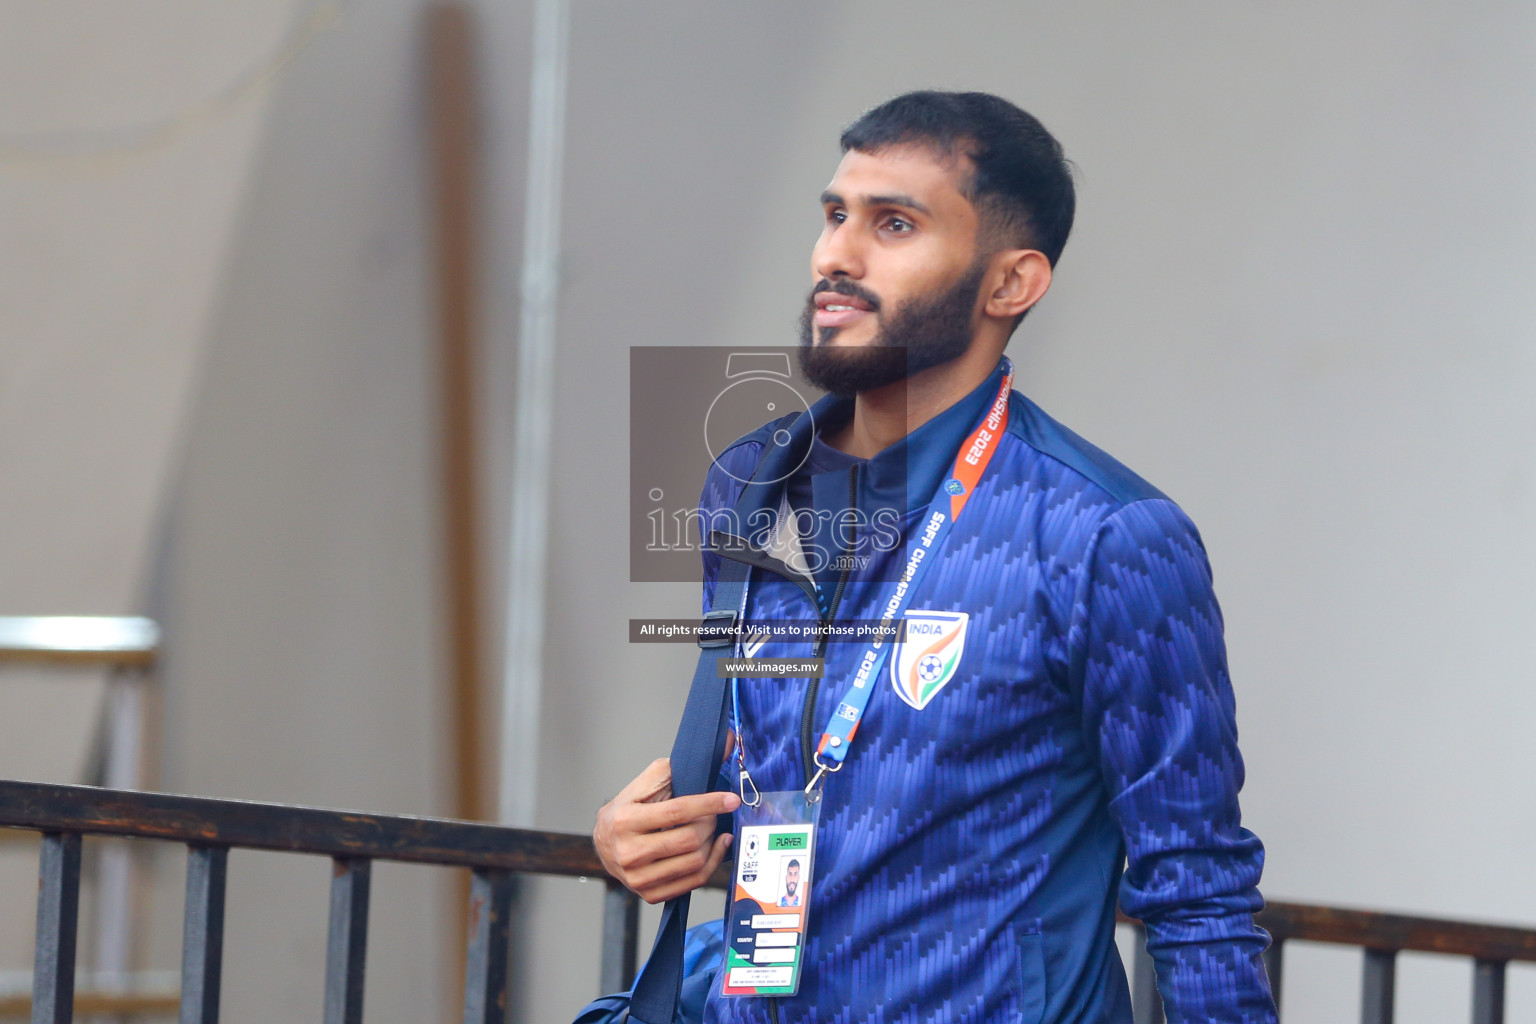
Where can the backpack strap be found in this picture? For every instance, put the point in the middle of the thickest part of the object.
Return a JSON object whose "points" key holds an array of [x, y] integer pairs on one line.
{"points": [[696, 756]]}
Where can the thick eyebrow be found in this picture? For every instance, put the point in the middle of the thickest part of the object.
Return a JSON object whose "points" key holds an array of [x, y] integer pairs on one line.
{"points": [[833, 199]]}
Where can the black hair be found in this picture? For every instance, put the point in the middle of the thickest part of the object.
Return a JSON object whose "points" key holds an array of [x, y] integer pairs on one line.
{"points": [[792, 864], [1021, 185]]}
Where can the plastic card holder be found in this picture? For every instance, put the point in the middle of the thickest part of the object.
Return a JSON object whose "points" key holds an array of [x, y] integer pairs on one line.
{"points": [[771, 896]]}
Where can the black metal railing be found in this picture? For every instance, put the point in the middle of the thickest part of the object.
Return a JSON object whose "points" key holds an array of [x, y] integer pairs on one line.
{"points": [[1380, 937], [210, 828]]}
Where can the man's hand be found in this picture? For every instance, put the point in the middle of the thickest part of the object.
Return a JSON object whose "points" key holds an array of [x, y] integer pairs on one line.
{"points": [[659, 845]]}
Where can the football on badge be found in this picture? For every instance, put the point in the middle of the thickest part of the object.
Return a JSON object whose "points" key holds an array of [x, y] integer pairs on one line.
{"points": [[929, 655]]}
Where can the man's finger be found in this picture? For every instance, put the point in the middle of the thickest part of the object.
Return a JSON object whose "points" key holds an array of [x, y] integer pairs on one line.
{"points": [[685, 839], [682, 810], [666, 888], [673, 813], [722, 844], [656, 777], [649, 878]]}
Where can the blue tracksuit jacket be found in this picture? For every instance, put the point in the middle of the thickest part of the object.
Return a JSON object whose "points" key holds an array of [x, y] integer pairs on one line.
{"points": [[1082, 749]]}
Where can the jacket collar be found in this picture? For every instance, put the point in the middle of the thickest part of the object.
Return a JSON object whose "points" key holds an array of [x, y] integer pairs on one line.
{"points": [[902, 477]]}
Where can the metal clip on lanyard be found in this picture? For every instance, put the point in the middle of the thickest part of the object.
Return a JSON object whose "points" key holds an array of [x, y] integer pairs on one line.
{"points": [[744, 779], [813, 788]]}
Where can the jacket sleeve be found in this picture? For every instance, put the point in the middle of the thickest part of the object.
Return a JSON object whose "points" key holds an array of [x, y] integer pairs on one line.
{"points": [[1158, 708]]}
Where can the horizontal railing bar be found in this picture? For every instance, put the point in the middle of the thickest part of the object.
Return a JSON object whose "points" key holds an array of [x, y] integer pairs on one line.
{"points": [[266, 826], [18, 982], [79, 639], [101, 1003], [1370, 929], [1374, 930], [103, 659], [44, 807]]}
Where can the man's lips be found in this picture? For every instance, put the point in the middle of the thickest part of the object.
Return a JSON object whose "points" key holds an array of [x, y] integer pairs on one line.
{"points": [[834, 309]]}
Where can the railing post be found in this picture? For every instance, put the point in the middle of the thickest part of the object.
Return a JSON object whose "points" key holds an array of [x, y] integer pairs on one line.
{"points": [[116, 866], [485, 981], [202, 943], [346, 949], [1274, 966], [58, 917], [1488, 992], [1146, 1001], [621, 936], [1379, 986]]}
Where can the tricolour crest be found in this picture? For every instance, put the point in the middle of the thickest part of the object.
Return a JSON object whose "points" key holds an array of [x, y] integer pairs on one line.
{"points": [[928, 657]]}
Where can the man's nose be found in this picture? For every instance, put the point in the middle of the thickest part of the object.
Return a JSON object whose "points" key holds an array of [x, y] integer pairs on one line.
{"points": [[838, 254]]}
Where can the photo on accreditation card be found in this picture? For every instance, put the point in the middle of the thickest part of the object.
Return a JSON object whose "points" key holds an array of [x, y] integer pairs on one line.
{"points": [[769, 907]]}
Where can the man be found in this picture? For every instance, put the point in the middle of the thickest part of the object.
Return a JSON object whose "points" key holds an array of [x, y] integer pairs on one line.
{"points": [[791, 897], [1057, 729]]}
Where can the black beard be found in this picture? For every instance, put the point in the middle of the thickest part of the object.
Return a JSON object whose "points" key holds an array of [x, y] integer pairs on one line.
{"points": [[922, 333]]}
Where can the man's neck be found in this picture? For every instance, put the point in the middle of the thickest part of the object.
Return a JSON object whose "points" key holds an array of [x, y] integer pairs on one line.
{"points": [[886, 415]]}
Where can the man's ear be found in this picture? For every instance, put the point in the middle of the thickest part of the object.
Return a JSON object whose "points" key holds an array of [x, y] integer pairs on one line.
{"points": [[1025, 276]]}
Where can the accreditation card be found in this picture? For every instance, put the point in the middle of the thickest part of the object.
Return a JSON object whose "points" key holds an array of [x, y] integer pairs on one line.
{"points": [[771, 896]]}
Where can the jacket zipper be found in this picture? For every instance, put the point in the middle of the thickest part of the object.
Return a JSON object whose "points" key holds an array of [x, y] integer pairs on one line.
{"points": [[739, 550], [813, 686]]}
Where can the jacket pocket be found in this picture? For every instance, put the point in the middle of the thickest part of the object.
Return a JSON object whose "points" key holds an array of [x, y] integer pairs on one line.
{"points": [[1031, 953]]}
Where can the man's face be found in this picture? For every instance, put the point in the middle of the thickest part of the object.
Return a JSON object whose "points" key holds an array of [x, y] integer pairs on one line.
{"points": [[896, 271], [792, 880]]}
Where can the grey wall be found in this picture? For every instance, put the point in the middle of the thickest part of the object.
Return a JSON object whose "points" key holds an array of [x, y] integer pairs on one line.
{"points": [[1295, 300], [298, 581], [114, 213], [223, 355]]}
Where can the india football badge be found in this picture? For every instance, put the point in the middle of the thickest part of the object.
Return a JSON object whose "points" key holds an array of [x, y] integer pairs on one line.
{"points": [[929, 655]]}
